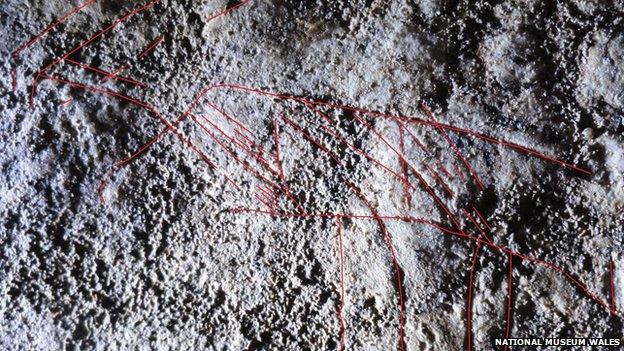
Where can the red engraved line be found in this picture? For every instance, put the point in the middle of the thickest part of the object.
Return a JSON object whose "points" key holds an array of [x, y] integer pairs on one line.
{"points": [[66, 102], [278, 161], [317, 111], [266, 198], [409, 119], [52, 26], [243, 145], [104, 73], [509, 298], [440, 180], [269, 194], [245, 139], [226, 11], [423, 182], [163, 132], [459, 172], [395, 261], [14, 78], [372, 113], [229, 180], [257, 148], [453, 146], [232, 86], [413, 169], [148, 108], [113, 74], [266, 203], [87, 42], [460, 234], [231, 153], [476, 225], [230, 118], [567, 275], [342, 287], [482, 219], [361, 152], [337, 135], [416, 140], [518, 147], [244, 148], [379, 221], [444, 170], [102, 187], [612, 290], [401, 218], [169, 127], [114, 94], [417, 120], [151, 46], [311, 139], [263, 162], [406, 191], [475, 256]]}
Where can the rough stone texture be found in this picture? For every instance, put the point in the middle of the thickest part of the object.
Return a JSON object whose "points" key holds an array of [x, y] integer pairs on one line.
{"points": [[163, 264]]}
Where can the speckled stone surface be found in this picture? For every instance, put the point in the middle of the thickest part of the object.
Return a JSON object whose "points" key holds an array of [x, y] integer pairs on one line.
{"points": [[150, 255]]}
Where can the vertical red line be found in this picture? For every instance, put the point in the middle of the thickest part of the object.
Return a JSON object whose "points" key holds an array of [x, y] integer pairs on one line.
{"points": [[473, 268], [14, 78], [342, 289], [509, 298], [406, 184], [412, 168], [393, 254], [612, 290]]}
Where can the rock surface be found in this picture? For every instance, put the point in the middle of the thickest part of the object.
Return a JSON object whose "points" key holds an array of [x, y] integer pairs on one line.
{"points": [[152, 255]]}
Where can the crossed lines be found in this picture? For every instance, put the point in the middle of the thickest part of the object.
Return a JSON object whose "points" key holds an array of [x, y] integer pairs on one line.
{"points": [[238, 142]]}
